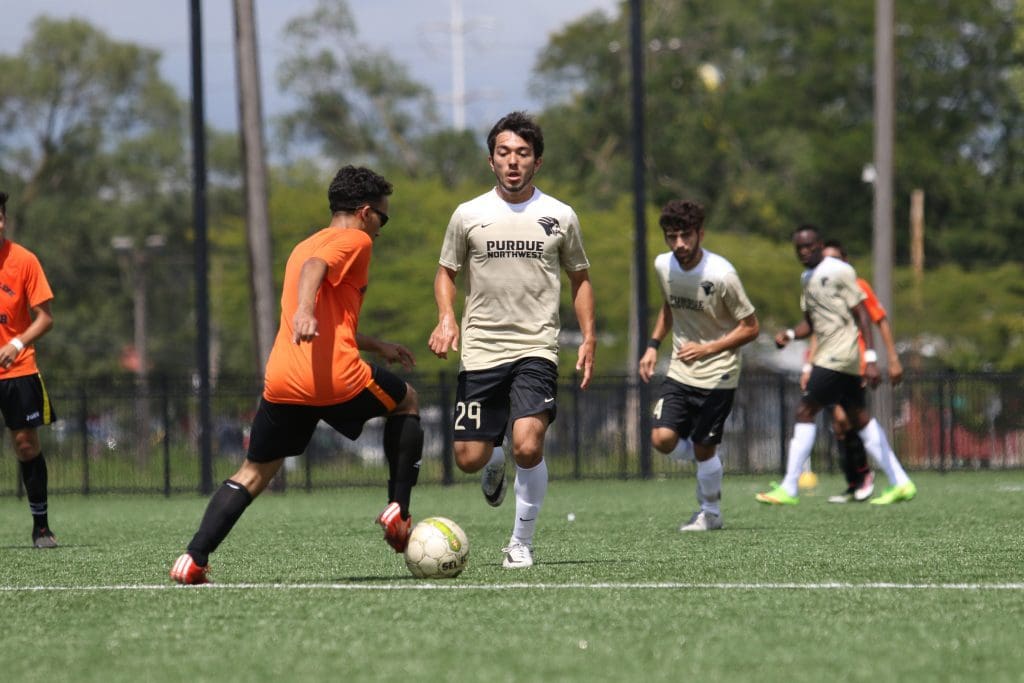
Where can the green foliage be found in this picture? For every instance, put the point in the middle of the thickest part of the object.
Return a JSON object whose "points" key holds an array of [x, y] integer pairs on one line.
{"points": [[781, 137], [763, 111]]}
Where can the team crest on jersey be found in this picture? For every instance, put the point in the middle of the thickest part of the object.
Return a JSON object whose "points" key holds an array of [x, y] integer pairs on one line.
{"points": [[550, 225], [708, 287]]}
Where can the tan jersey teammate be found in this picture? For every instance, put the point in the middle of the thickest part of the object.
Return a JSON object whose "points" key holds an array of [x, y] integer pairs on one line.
{"points": [[710, 317], [834, 311], [513, 242]]}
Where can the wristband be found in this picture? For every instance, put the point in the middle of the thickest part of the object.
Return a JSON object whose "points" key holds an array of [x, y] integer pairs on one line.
{"points": [[791, 334], [870, 356], [807, 367], [17, 343], [653, 343]]}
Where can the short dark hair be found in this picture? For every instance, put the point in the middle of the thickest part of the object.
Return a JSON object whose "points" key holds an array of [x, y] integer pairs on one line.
{"points": [[3, 203], [680, 214], [807, 227], [838, 246], [354, 186], [520, 123]]}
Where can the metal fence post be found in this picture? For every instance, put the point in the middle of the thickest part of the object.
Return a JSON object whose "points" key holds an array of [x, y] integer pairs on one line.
{"points": [[783, 425], [576, 456], [448, 442], [83, 432], [165, 421]]}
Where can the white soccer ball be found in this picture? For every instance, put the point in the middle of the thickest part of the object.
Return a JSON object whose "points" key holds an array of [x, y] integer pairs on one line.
{"points": [[437, 549]]}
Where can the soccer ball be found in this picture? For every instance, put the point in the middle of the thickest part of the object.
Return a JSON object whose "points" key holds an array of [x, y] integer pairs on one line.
{"points": [[437, 549], [808, 480]]}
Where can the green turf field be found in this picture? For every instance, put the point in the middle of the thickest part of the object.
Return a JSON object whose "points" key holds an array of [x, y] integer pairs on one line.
{"points": [[306, 589]]}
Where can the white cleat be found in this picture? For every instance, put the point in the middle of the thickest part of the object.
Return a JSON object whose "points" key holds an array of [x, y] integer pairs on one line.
{"points": [[517, 556], [866, 488], [703, 521]]}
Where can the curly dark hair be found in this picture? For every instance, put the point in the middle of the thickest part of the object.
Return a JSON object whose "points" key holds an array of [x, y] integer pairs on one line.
{"points": [[354, 186], [807, 227], [680, 214], [520, 123], [3, 203]]}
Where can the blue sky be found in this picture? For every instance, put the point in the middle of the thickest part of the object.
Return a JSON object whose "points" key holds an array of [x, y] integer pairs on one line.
{"points": [[502, 40]]}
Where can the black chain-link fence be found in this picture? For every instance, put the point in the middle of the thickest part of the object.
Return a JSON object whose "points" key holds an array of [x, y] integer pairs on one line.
{"points": [[119, 437]]}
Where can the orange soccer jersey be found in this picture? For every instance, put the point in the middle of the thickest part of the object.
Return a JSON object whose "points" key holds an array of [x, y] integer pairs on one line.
{"points": [[875, 311], [329, 369], [23, 285]]}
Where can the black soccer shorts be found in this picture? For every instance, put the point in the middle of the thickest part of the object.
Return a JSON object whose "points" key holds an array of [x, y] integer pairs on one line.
{"points": [[486, 400], [25, 403], [693, 412], [281, 430]]}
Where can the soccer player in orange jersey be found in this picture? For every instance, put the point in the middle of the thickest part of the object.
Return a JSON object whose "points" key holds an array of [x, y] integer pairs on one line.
{"points": [[24, 318], [315, 372]]}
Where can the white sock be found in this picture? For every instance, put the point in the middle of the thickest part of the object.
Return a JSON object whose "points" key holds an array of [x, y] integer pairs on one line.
{"points": [[799, 451], [709, 484], [683, 452], [878, 448], [531, 488]]}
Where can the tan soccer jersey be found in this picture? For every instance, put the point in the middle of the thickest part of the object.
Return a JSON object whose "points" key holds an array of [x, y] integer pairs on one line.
{"points": [[830, 292], [707, 302], [514, 255]]}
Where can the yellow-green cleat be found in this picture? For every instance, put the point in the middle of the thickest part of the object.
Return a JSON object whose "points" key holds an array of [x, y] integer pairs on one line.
{"points": [[777, 496], [896, 494]]}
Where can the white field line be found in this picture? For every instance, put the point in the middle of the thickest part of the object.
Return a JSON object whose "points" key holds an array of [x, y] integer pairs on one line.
{"points": [[456, 586]]}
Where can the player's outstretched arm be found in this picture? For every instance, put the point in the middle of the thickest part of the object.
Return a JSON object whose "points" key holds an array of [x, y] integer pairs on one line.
{"points": [[304, 323], [746, 331], [661, 329], [583, 302], [863, 320], [389, 351], [445, 336], [895, 367]]}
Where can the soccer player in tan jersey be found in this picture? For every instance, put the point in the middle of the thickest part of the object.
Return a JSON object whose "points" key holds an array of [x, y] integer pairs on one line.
{"points": [[710, 318], [24, 318], [513, 242], [859, 477], [315, 372], [834, 311]]}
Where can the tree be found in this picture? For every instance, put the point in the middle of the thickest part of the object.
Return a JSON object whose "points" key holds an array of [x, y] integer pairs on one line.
{"points": [[90, 148], [781, 130], [354, 101]]}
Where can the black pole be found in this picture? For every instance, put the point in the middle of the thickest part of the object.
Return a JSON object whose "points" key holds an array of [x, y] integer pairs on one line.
{"points": [[640, 227], [201, 267]]}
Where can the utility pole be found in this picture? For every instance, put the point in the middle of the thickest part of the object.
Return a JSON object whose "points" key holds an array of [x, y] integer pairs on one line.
{"points": [[883, 186], [201, 264], [639, 318], [135, 260], [458, 32], [883, 163], [257, 221]]}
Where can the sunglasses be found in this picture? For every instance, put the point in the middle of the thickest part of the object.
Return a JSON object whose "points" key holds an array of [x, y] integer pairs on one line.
{"points": [[384, 218]]}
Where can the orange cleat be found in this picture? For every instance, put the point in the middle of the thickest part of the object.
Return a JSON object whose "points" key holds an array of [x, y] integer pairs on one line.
{"points": [[396, 529], [186, 571]]}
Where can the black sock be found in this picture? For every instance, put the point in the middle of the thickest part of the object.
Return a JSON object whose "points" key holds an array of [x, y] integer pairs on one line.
{"points": [[855, 459], [33, 475], [225, 507], [403, 448]]}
